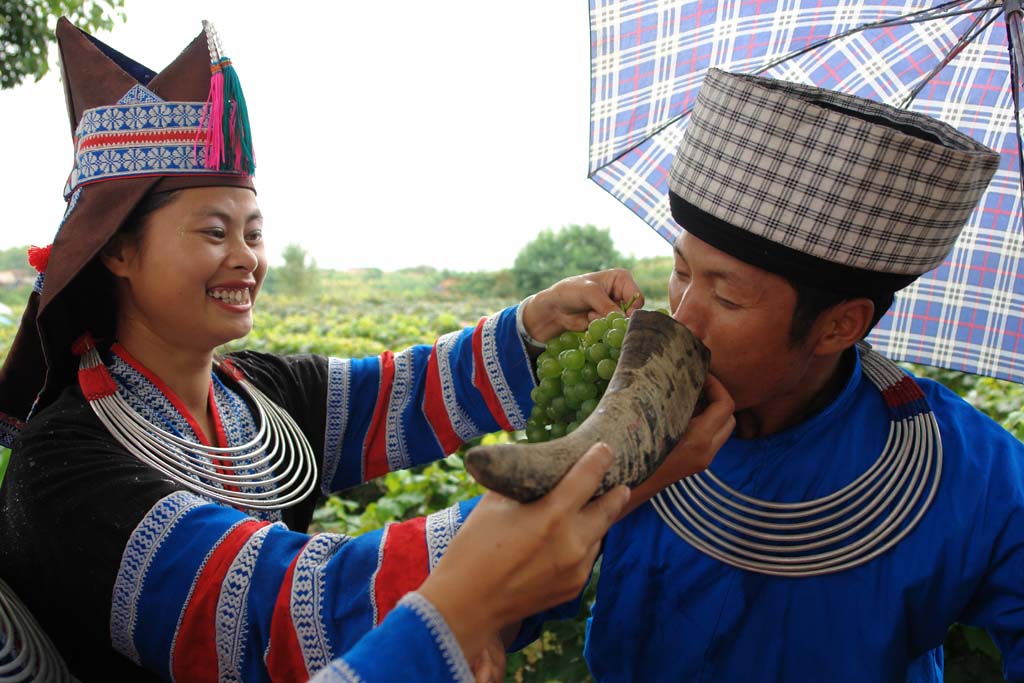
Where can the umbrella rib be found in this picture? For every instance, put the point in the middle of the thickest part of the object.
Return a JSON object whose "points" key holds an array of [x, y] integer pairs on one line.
{"points": [[941, 11], [1014, 45], [912, 18], [975, 29]]}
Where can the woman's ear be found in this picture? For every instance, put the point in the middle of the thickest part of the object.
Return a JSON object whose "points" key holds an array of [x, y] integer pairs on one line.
{"points": [[843, 325], [117, 253]]}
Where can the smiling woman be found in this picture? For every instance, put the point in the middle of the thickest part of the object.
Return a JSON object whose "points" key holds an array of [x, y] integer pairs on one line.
{"points": [[154, 512]]}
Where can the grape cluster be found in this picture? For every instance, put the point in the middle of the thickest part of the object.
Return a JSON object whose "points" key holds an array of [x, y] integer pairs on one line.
{"points": [[574, 371]]}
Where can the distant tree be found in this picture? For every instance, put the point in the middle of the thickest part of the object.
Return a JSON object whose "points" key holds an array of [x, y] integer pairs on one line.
{"points": [[572, 250], [297, 276], [27, 26], [481, 284], [14, 258], [651, 275]]}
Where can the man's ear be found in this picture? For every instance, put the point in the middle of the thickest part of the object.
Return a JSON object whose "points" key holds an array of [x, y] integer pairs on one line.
{"points": [[117, 254], [843, 325]]}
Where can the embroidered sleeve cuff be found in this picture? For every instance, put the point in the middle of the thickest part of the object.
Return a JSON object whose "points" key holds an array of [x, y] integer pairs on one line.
{"points": [[443, 637], [414, 643], [521, 327]]}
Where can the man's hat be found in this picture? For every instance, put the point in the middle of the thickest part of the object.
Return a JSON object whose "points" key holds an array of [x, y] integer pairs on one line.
{"points": [[135, 132], [828, 189]]}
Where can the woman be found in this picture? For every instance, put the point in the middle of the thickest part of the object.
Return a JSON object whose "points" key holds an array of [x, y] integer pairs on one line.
{"points": [[153, 515]]}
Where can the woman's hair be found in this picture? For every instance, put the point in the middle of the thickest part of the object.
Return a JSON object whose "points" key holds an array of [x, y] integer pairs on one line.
{"points": [[132, 226], [92, 296]]}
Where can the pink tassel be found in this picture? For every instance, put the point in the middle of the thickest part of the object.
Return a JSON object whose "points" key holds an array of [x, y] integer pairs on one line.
{"points": [[213, 113]]}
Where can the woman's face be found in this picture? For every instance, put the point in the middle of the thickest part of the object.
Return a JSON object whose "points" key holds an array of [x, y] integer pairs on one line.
{"points": [[191, 276]]}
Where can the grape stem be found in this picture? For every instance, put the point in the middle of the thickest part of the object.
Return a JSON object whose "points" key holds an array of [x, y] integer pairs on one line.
{"points": [[625, 307]]}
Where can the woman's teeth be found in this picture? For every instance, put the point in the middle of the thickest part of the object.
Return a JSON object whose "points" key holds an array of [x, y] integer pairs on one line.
{"points": [[231, 296]]}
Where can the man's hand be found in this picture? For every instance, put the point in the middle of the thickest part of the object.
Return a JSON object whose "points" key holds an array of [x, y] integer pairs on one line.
{"points": [[705, 434]]}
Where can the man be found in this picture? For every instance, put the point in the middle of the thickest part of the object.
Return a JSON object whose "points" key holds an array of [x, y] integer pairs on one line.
{"points": [[856, 512]]}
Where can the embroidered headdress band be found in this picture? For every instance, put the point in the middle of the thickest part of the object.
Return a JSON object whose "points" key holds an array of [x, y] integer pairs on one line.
{"points": [[144, 135]]}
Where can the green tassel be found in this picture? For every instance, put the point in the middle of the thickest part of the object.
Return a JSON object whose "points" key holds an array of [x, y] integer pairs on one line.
{"points": [[236, 121]]}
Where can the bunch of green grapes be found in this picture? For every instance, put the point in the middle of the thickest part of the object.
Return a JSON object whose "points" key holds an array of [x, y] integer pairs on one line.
{"points": [[573, 373]]}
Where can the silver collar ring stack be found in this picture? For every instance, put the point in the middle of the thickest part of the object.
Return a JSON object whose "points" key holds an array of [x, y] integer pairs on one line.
{"points": [[830, 534], [275, 469]]}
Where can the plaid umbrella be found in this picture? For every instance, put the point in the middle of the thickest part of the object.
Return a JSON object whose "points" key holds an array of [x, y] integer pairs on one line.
{"points": [[957, 61]]}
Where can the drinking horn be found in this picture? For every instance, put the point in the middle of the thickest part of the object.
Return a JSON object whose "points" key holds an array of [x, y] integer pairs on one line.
{"points": [[645, 409]]}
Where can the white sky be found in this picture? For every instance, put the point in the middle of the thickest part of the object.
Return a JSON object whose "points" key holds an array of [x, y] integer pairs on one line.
{"points": [[387, 134]]}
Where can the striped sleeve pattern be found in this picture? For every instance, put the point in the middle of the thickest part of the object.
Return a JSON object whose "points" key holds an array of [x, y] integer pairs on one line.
{"points": [[205, 593], [404, 409]]}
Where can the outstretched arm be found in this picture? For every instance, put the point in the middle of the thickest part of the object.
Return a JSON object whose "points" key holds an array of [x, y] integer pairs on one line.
{"points": [[509, 560]]}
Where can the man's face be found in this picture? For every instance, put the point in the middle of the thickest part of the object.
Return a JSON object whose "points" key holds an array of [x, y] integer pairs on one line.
{"points": [[743, 315]]}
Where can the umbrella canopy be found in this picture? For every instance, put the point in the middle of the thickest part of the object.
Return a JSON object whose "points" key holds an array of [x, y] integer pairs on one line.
{"points": [[956, 61]]}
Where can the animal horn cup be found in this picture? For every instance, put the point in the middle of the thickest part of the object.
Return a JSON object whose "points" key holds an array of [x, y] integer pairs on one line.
{"points": [[643, 412]]}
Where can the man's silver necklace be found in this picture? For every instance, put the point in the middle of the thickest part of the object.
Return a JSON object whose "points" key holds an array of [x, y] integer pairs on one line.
{"points": [[274, 470], [829, 534]]}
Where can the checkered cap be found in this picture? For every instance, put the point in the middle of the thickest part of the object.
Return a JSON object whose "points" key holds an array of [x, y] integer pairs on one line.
{"points": [[785, 175]]}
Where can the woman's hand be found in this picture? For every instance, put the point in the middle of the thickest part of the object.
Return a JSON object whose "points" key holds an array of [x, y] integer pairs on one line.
{"points": [[489, 666], [704, 435], [571, 304], [511, 560]]}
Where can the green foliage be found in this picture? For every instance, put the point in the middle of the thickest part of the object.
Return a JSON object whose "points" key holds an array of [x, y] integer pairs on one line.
{"points": [[572, 250], [651, 275], [15, 258], [557, 656], [399, 496], [296, 277], [971, 657], [480, 284], [9, 325], [27, 26]]}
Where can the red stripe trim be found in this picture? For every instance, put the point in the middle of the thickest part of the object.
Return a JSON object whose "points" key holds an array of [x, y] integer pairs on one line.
{"points": [[105, 139], [232, 370], [404, 565], [163, 388], [483, 382], [96, 382], [902, 392], [194, 657], [434, 407], [284, 660], [375, 446]]}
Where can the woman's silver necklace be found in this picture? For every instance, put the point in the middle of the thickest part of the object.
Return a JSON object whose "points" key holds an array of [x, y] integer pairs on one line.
{"points": [[274, 470], [26, 653], [830, 534]]}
